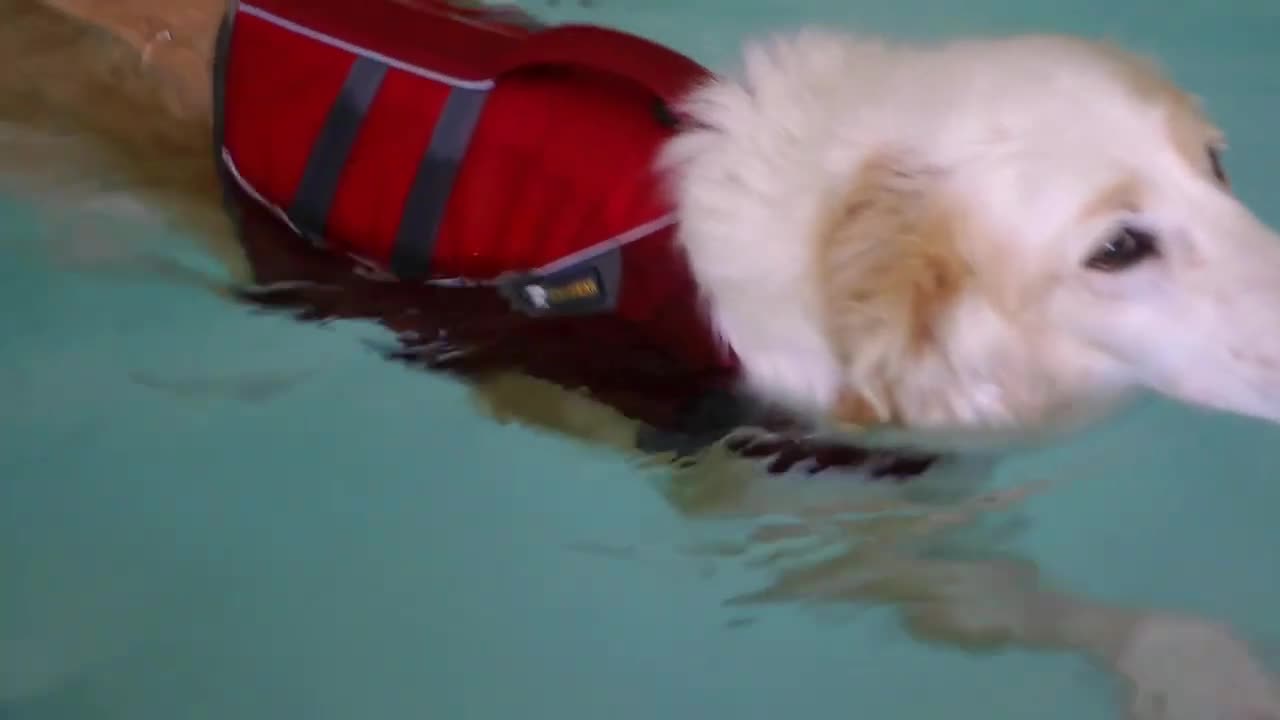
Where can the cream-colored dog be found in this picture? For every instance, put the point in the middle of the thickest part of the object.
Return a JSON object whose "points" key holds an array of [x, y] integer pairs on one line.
{"points": [[982, 235], [949, 244]]}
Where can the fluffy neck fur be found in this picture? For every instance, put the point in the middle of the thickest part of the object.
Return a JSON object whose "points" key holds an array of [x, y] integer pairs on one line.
{"points": [[749, 183], [812, 193]]}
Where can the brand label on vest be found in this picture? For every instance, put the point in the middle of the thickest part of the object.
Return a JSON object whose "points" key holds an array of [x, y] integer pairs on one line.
{"points": [[584, 288]]}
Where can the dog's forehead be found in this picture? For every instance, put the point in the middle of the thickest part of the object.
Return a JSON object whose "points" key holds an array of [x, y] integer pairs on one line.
{"points": [[1086, 92], [1059, 144], [1071, 115], [1044, 176]]}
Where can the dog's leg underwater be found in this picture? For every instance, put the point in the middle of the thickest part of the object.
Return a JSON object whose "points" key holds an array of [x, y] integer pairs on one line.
{"points": [[1174, 666]]}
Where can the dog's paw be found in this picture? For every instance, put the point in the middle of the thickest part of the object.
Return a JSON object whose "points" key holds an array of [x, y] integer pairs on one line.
{"points": [[1187, 669]]}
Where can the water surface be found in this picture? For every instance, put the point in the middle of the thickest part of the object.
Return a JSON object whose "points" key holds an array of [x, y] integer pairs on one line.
{"points": [[210, 513]]}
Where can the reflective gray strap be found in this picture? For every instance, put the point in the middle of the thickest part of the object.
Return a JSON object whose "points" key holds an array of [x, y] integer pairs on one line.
{"points": [[309, 210], [433, 184]]}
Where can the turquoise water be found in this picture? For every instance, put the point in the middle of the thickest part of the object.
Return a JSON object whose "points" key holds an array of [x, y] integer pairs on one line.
{"points": [[210, 513]]}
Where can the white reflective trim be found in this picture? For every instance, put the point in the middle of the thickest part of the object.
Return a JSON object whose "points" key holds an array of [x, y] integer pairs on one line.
{"points": [[252, 192], [617, 241], [627, 237], [363, 52]]}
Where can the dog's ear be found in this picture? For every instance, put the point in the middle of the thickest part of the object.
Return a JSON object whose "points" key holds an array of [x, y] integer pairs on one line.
{"points": [[890, 270]]}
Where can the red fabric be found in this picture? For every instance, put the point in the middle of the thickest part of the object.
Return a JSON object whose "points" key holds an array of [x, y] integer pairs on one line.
{"points": [[663, 72], [561, 158], [426, 34], [557, 164], [275, 109]]}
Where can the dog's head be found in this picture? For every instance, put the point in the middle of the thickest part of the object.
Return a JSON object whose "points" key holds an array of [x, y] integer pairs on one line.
{"points": [[989, 235]]}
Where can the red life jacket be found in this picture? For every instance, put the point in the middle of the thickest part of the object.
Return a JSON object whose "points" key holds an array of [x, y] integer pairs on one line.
{"points": [[497, 179], [453, 147]]}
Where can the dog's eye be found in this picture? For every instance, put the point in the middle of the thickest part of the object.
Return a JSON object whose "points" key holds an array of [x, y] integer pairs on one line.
{"points": [[1126, 248], [1215, 161]]}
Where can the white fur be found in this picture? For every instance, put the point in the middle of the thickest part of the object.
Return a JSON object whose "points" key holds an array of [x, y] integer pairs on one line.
{"points": [[1022, 133]]}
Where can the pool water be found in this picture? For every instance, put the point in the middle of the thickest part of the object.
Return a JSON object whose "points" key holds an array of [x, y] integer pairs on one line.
{"points": [[206, 512]]}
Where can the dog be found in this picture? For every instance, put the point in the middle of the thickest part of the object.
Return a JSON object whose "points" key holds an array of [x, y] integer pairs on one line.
{"points": [[947, 247]]}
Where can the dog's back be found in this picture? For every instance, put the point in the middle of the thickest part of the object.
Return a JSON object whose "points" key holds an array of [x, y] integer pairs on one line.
{"points": [[85, 111]]}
